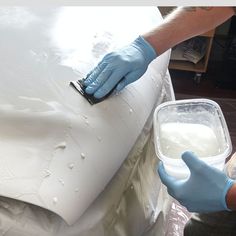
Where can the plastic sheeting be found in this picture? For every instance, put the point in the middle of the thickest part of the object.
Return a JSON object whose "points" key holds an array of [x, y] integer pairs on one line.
{"points": [[56, 133]]}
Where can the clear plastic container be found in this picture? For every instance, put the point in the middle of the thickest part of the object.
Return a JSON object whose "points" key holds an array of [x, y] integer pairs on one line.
{"points": [[196, 125]]}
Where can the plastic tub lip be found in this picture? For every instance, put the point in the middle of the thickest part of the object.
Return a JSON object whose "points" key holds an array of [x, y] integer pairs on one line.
{"points": [[187, 101], [216, 158]]}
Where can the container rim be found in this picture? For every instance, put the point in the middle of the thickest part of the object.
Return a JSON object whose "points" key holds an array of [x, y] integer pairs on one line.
{"points": [[183, 101]]}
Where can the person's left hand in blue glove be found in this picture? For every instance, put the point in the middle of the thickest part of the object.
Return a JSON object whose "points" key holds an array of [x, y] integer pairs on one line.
{"points": [[204, 191]]}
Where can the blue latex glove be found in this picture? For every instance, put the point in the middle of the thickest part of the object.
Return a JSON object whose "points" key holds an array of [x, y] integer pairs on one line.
{"points": [[204, 191], [129, 63]]}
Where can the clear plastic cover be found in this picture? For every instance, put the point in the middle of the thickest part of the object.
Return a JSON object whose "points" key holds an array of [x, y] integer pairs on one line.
{"points": [[177, 218]]}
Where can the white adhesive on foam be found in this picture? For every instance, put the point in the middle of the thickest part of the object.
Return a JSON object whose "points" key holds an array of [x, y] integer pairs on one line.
{"points": [[45, 124], [175, 138]]}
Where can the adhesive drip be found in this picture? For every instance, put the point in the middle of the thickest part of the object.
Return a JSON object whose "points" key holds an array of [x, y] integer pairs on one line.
{"points": [[55, 200], [87, 122], [153, 217], [99, 138], [130, 111], [47, 173], [132, 187], [61, 145], [61, 182], [71, 165], [76, 190], [82, 155]]}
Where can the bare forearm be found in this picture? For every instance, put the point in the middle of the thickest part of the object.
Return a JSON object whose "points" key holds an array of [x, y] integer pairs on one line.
{"points": [[231, 198], [184, 23]]}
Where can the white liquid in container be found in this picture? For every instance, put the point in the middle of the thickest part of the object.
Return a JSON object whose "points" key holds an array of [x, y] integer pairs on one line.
{"points": [[175, 138]]}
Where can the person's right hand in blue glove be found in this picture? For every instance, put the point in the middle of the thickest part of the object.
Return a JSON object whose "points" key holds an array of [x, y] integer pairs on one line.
{"points": [[204, 191], [128, 64]]}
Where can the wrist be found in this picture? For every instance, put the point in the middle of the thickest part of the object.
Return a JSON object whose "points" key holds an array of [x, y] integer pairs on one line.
{"points": [[149, 52], [231, 197]]}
